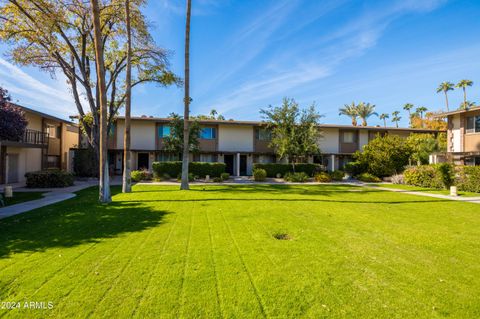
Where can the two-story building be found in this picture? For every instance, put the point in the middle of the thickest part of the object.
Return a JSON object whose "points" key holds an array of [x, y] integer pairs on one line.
{"points": [[463, 136], [45, 144], [238, 144]]}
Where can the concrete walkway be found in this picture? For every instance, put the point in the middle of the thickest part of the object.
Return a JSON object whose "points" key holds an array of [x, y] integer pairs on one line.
{"points": [[475, 200]]}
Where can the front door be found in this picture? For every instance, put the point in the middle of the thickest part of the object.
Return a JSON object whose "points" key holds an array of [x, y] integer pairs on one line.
{"points": [[243, 165], [142, 162], [12, 168], [228, 160]]}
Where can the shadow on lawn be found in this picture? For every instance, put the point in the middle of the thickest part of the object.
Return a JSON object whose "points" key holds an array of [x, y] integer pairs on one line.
{"points": [[74, 222]]}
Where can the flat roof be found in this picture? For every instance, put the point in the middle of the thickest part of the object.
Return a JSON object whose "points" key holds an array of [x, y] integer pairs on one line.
{"points": [[260, 123], [445, 114]]}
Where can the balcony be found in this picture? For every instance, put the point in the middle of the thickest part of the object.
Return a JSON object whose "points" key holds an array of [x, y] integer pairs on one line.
{"points": [[31, 138]]}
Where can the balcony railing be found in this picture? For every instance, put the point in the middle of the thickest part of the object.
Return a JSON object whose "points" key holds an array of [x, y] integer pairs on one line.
{"points": [[33, 137]]}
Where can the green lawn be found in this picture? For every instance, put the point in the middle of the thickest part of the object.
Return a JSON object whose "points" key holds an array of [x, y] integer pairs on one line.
{"points": [[426, 190], [352, 252], [20, 197]]}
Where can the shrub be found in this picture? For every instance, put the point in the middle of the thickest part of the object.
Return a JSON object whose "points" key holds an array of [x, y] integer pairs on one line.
{"points": [[355, 168], [191, 177], [85, 163], [468, 179], [259, 174], [337, 175], [138, 176], [217, 180], [368, 178], [299, 177], [224, 176], [398, 179], [322, 177], [423, 176], [273, 169], [200, 169], [446, 174], [49, 178]]}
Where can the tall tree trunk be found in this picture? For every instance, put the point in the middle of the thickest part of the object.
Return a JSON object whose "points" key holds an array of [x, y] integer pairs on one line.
{"points": [[186, 99], [364, 122], [104, 179], [384, 122], [396, 123], [127, 181], [465, 97], [446, 99]]}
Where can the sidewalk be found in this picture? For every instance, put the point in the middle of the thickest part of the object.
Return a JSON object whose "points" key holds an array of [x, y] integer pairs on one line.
{"points": [[474, 200]]}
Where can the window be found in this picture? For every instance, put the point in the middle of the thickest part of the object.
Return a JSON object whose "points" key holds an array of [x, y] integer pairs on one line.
{"points": [[263, 134], [265, 159], [472, 161], [163, 131], [208, 133], [348, 137], [167, 157], [207, 158], [473, 124]]}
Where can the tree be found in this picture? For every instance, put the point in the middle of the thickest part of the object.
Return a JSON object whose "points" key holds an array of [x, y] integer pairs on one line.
{"points": [[186, 112], [420, 110], [422, 145], [57, 35], [364, 111], [396, 118], [294, 131], [467, 105], [12, 119], [174, 142], [408, 107], [127, 181], [350, 110], [384, 155], [445, 87], [430, 121], [213, 113], [384, 117], [104, 179], [463, 84]]}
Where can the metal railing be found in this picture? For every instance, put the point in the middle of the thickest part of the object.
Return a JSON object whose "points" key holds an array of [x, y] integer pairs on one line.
{"points": [[33, 137]]}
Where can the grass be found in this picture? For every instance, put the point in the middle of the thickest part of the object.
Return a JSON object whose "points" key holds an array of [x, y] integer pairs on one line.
{"points": [[426, 190], [210, 252], [20, 197]]}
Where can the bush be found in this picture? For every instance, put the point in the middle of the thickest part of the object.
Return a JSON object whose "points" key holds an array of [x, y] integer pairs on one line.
{"points": [[398, 179], [85, 163], [191, 177], [446, 174], [299, 177], [273, 169], [468, 179], [355, 168], [259, 174], [368, 178], [423, 176], [224, 176], [337, 175], [322, 177], [200, 169], [49, 178], [138, 176], [217, 180]]}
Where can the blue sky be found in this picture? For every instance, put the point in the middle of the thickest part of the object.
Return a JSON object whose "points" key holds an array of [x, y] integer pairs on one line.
{"points": [[246, 55]]}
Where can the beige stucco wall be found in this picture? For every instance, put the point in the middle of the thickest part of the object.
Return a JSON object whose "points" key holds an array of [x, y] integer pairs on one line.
{"points": [[29, 160], [142, 135], [34, 121], [329, 140], [235, 138]]}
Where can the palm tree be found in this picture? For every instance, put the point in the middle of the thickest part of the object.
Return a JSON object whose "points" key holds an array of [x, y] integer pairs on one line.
{"points": [[364, 111], [467, 105], [186, 112], [463, 84], [127, 181], [213, 113], [420, 110], [408, 107], [104, 178], [445, 87], [384, 117], [396, 118], [350, 110]]}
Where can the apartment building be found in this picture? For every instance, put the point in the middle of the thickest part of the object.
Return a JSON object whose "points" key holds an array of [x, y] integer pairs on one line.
{"points": [[463, 136], [238, 144], [45, 144]]}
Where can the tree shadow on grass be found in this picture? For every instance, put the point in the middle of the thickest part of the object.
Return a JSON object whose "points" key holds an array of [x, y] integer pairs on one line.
{"points": [[74, 222]]}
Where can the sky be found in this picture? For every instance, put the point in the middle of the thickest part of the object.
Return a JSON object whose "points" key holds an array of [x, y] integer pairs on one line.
{"points": [[249, 54]]}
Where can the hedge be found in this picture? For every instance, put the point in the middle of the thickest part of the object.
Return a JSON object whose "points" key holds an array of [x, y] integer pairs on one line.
{"points": [[273, 169], [423, 176], [49, 178], [200, 169], [85, 163], [468, 178]]}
